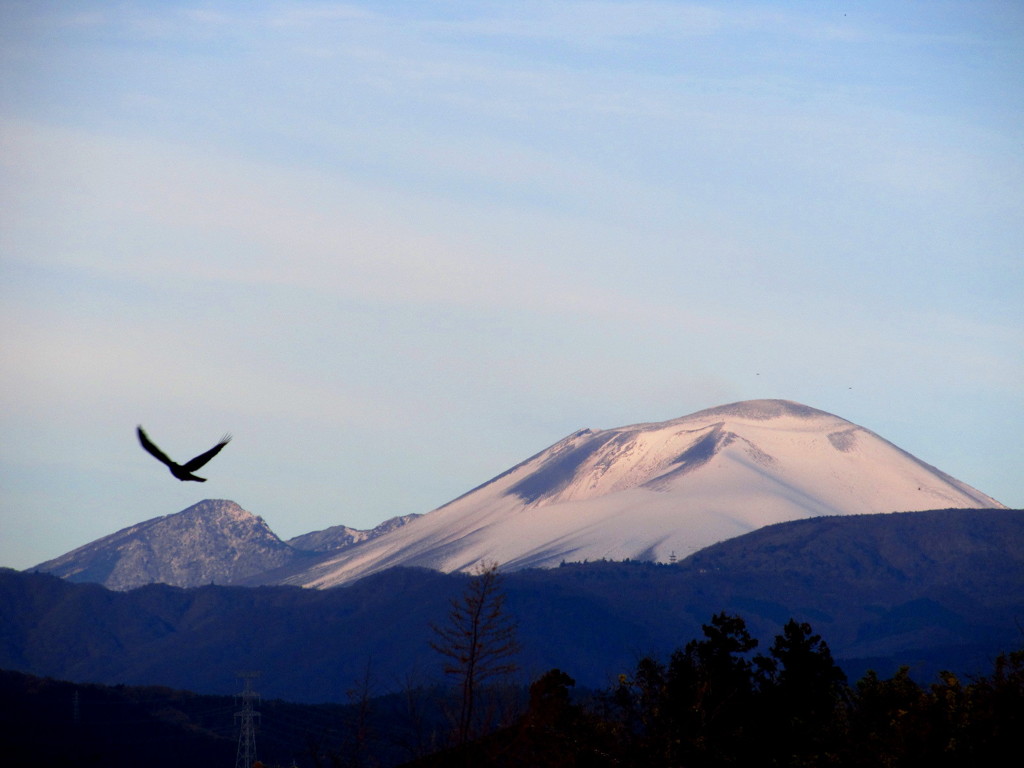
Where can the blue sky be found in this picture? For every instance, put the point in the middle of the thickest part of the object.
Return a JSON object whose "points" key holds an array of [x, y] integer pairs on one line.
{"points": [[396, 248]]}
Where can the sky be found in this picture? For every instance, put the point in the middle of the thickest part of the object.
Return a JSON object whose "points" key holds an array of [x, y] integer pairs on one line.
{"points": [[397, 247]]}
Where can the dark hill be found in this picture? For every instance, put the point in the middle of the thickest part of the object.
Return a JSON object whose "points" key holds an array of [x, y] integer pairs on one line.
{"points": [[939, 589], [57, 723], [931, 589]]}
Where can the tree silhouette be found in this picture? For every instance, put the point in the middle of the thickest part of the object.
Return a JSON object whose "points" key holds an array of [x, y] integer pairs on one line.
{"points": [[694, 711], [714, 705], [479, 641], [803, 697]]}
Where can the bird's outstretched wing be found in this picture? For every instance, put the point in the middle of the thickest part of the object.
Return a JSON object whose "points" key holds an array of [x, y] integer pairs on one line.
{"points": [[152, 449], [193, 464]]}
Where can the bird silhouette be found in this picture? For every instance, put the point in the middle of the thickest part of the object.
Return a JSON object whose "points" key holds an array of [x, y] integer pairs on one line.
{"points": [[182, 471]]}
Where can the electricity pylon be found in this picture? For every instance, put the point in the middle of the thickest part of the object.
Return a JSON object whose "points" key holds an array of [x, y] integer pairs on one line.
{"points": [[246, 755]]}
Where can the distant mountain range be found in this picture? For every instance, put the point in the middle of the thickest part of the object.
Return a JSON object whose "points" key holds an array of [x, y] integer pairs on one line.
{"points": [[936, 590], [613, 544], [212, 542], [651, 492], [341, 536]]}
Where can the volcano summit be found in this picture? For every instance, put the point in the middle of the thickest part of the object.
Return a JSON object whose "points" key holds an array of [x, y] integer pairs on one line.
{"points": [[659, 491]]}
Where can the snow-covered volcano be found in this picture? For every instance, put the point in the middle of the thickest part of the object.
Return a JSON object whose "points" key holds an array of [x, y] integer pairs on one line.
{"points": [[659, 491]]}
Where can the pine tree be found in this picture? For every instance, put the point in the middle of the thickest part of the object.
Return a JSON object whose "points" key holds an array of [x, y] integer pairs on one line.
{"points": [[479, 641], [804, 697]]}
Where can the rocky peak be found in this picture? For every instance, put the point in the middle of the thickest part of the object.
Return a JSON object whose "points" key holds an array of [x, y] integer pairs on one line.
{"points": [[340, 536], [215, 541]]}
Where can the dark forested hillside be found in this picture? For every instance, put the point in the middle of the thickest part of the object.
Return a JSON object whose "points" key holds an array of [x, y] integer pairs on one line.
{"points": [[940, 589]]}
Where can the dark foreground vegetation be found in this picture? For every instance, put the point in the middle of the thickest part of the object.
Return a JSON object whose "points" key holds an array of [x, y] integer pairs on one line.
{"points": [[715, 702], [934, 590]]}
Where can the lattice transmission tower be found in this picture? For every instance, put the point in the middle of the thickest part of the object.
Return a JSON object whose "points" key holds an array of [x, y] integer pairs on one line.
{"points": [[246, 755]]}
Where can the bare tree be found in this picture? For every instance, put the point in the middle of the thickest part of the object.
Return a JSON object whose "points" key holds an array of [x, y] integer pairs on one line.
{"points": [[479, 640]]}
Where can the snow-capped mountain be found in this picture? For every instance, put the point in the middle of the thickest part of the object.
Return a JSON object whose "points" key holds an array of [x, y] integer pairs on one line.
{"points": [[660, 491], [214, 541]]}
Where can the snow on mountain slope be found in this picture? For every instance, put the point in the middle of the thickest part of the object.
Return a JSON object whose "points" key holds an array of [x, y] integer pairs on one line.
{"points": [[654, 491]]}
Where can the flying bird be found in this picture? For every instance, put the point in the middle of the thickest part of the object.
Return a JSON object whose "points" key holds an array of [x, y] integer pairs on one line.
{"points": [[182, 471]]}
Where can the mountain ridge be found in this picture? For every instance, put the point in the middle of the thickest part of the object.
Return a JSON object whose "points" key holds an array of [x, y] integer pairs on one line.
{"points": [[650, 491], [214, 541]]}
